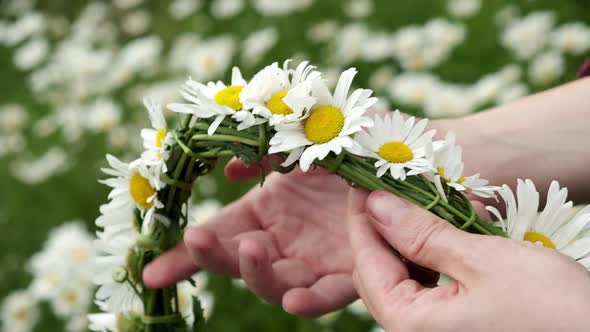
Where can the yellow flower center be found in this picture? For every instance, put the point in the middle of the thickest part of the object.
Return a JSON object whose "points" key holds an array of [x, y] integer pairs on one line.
{"points": [[396, 152], [72, 297], [21, 314], [323, 124], [535, 237], [141, 190], [441, 172], [160, 135], [276, 105], [230, 97]]}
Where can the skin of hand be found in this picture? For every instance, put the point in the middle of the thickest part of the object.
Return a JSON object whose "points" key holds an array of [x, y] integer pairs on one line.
{"points": [[542, 137], [499, 284]]}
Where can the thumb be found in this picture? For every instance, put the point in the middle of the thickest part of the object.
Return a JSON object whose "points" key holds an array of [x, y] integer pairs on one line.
{"points": [[424, 238]]}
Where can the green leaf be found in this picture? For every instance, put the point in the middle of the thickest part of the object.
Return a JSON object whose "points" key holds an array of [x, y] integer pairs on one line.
{"points": [[281, 169], [199, 323], [247, 154]]}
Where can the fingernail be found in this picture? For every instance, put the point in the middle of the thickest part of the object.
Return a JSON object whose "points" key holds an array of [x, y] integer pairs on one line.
{"points": [[250, 264], [385, 208]]}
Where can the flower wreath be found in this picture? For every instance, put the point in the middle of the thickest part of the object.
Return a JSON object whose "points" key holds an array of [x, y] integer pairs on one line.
{"points": [[292, 113]]}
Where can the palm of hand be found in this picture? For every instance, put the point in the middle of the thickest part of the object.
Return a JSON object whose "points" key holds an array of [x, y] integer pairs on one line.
{"points": [[286, 239]]}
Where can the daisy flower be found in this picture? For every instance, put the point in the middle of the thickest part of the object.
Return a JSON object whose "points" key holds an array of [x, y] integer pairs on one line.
{"points": [[553, 228], [133, 187], [19, 312], [281, 94], [216, 100], [117, 222], [331, 122], [402, 148], [74, 299], [114, 322], [115, 280], [448, 164], [157, 139]]}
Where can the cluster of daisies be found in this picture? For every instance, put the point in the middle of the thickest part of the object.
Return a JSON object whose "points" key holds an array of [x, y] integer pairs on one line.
{"points": [[61, 278], [310, 122], [130, 214]]}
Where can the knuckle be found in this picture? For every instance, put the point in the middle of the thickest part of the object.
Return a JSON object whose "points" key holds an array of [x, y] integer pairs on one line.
{"points": [[419, 245]]}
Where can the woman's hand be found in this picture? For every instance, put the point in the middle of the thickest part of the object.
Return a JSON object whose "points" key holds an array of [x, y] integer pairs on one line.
{"points": [[286, 239], [501, 284]]}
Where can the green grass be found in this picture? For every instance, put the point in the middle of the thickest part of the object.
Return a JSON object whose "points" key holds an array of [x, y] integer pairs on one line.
{"points": [[27, 213]]}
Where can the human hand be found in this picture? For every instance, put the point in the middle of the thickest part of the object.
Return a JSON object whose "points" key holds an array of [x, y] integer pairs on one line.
{"points": [[286, 239], [501, 284]]}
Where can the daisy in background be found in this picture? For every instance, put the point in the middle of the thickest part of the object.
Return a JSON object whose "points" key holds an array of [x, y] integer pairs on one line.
{"points": [[553, 228], [402, 148], [133, 187], [19, 312], [448, 164], [329, 126], [281, 94], [157, 139], [216, 100]]}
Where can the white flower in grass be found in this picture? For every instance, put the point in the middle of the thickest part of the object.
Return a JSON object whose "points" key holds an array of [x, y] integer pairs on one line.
{"points": [[329, 126], [546, 68], [527, 36], [157, 139], [133, 187], [571, 38], [553, 228], [448, 164], [19, 312], [64, 260], [402, 148], [464, 8], [115, 280], [200, 213], [216, 100], [281, 95], [74, 299]]}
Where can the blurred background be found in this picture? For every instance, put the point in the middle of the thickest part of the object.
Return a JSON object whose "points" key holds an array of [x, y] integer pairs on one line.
{"points": [[73, 74]]}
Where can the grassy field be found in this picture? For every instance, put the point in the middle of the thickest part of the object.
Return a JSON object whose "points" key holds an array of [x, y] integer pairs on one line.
{"points": [[27, 213]]}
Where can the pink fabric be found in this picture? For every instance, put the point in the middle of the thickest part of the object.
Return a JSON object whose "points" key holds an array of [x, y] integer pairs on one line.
{"points": [[584, 70]]}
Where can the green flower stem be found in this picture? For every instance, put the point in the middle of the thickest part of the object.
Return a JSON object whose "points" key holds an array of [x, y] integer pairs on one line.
{"points": [[225, 138], [367, 178], [224, 130]]}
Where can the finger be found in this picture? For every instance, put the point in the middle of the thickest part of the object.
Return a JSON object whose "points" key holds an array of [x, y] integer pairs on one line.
{"points": [[267, 280], [237, 170], [378, 269], [424, 238], [480, 209], [210, 253], [329, 293], [169, 268], [357, 201]]}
